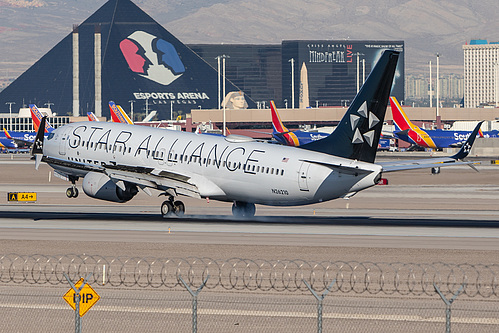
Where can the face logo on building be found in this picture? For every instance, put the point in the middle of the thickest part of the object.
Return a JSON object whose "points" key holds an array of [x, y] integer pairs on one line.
{"points": [[152, 57]]}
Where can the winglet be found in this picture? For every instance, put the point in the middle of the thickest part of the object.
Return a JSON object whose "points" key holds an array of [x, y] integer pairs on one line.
{"points": [[37, 148], [466, 147]]}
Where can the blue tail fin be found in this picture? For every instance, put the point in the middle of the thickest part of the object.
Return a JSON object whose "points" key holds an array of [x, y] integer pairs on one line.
{"points": [[357, 135]]}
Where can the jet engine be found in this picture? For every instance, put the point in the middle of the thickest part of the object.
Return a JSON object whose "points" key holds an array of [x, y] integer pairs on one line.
{"points": [[100, 186]]}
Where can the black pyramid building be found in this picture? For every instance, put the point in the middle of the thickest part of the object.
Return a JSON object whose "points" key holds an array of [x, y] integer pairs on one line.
{"points": [[140, 61]]}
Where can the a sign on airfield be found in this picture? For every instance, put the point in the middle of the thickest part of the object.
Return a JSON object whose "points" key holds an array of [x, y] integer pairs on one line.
{"points": [[88, 297]]}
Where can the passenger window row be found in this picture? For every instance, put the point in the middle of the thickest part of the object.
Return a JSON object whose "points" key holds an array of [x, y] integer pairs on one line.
{"points": [[193, 159]]}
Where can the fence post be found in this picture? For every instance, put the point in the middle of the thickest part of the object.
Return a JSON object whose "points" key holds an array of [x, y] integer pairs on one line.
{"points": [[448, 304], [319, 302], [194, 295], [77, 299]]}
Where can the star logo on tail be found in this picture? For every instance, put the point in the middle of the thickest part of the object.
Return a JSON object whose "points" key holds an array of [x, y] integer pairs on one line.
{"points": [[368, 136]]}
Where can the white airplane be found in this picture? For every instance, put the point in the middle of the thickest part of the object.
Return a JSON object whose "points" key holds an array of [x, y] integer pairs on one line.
{"points": [[116, 160]]}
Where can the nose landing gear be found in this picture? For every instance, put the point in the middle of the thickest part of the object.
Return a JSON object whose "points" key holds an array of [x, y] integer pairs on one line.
{"points": [[72, 192]]}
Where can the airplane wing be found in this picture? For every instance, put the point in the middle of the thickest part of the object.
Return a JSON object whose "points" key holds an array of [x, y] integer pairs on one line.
{"points": [[456, 159], [157, 179]]}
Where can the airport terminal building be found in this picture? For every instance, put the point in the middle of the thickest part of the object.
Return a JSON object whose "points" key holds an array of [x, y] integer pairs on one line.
{"points": [[121, 54]]}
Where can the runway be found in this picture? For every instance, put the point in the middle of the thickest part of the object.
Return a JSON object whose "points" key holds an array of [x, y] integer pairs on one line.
{"points": [[449, 213]]}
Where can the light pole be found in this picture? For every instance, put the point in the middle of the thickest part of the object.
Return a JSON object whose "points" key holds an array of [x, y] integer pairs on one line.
{"points": [[292, 61], [171, 110], [358, 54], [10, 114], [218, 76], [224, 131], [363, 71], [131, 108], [431, 91], [438, 87]]}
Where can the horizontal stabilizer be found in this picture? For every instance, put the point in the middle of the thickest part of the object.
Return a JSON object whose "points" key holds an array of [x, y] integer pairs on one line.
{"points": [[342, 168]]}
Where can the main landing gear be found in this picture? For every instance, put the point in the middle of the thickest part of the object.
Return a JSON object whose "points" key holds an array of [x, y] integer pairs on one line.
{"points": [[172, 207], [243, 209], [72, 192]]}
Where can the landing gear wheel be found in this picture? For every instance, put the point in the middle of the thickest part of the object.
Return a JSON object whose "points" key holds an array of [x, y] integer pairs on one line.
{"points": [[250, 210], [243, 209], [69, 192], [75, 192], [179, 208], [167, 208]]}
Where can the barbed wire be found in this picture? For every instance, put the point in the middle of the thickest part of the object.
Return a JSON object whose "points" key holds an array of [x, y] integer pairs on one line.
{"points": [[248, 274]]}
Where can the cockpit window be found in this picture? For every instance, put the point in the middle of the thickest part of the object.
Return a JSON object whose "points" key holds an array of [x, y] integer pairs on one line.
{"points": [[51, 135]]}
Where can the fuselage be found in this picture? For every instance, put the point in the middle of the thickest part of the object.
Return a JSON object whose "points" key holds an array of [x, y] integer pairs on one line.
{"points": [[227, 169], [437, 139]]}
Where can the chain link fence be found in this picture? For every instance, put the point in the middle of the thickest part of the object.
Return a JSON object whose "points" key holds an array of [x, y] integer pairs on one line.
{"points": [[243, 295]]}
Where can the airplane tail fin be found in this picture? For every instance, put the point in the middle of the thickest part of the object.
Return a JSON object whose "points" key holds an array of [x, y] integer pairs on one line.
{"points": [[125, 116], [402, 122], [279, 131], [118, 115], [91, 116], [37, 116], [277, 125], [357, 135], [7, 134]]}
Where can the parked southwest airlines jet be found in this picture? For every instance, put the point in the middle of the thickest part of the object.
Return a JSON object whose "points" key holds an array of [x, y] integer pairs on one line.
{"points": [[436, 139], [286, 137], [116, 160]]}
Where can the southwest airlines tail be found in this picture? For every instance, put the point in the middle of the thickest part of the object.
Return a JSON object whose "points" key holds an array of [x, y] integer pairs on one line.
{"points": [[280, 132], [118, 115], [7, 134], [91, 116], [400, 119], [37, 116], [357, 135]]}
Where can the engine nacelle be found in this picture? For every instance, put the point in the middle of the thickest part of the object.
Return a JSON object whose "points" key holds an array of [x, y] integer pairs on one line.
{"points": [[100, 186]]}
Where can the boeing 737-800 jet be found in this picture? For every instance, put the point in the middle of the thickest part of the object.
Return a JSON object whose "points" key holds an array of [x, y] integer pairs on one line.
{"points": [[116, 160], [436, 139]]}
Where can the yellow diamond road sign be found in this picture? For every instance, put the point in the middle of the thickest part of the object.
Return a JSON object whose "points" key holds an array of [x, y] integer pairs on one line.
{"points": [[88, 297]]}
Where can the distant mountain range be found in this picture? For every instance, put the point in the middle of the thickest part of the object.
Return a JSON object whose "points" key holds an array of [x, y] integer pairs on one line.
{"points": [[29, 28]]}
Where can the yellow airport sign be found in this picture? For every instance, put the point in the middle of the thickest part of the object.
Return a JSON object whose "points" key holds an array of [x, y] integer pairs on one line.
{"points": [[21, 196], [88, 297]]}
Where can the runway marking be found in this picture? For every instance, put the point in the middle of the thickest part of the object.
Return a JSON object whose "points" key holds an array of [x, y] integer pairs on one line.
{"points": [[274, 314]]}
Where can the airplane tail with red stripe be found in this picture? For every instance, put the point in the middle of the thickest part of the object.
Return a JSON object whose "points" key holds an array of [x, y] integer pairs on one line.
{"points": [[277, 124], [118, 115], [37, 116], [399, 117], [281, 132], [91, 116]]}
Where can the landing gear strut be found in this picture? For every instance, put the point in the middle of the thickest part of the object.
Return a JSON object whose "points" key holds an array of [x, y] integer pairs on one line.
{"points": [[72, 192], [243, 209], [171, 207]]}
